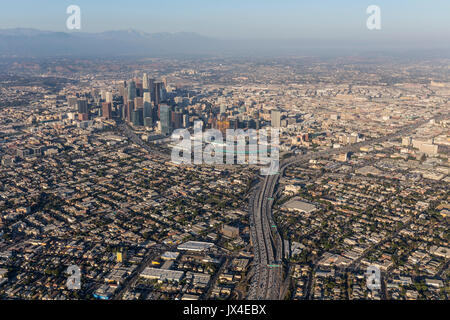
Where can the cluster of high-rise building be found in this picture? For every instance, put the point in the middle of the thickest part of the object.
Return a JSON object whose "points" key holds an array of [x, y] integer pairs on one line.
{"points": [[141, 102]]}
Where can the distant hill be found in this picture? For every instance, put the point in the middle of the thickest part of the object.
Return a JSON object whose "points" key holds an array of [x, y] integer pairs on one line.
{"points": [[22, 42], [31, 42]]}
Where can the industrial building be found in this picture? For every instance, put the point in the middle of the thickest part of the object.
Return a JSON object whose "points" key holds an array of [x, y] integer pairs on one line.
{"points": [[162, 275]]}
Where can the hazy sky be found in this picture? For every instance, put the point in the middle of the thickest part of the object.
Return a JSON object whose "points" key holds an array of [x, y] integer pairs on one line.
{"points": [[239, 18]]}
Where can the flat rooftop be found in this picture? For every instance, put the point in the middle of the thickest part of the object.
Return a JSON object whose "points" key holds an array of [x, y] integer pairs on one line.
{"points": [[298, 205], [162, 274], [195, 246]]}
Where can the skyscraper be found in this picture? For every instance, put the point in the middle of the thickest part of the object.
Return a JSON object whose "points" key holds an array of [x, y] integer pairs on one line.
{"points": [[109, 97], [275, 116], [158, 92], [137, 117], [138, 102], [165, 119], [82, 106], [148, 112], [145, 83], [72, 102], [177, 120], [123, 92], [106, 110], [131, 90], [129, 109], [151, 84], [139, 88]]}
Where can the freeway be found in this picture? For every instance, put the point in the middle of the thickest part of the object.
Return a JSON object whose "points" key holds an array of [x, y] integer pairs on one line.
{"points": [[266, 283], [129, 133]]}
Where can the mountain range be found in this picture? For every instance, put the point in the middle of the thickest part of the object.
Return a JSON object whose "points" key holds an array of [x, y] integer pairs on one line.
{"points": [[32, 42], [21, 42]]}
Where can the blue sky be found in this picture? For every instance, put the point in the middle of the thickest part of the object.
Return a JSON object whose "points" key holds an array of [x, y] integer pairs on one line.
{"points": [[238, 18]]}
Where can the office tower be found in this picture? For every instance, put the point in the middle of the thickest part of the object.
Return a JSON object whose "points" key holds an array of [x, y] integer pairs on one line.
{"points": [[119, 111], [123, 91], [147, 99], [177, 120], [109, 97], [145, 83], [134, 117], [139, 89], [158, 92], [131, 91], [106, 110], [72, 102], [137, 117], [82, 106], [151, 83], [148, 112], [141, 116], [138, 103], [83, 109], [96, 95], [153, 92], [130, 108], [125, 112], [165, 119], [275, 116]]}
